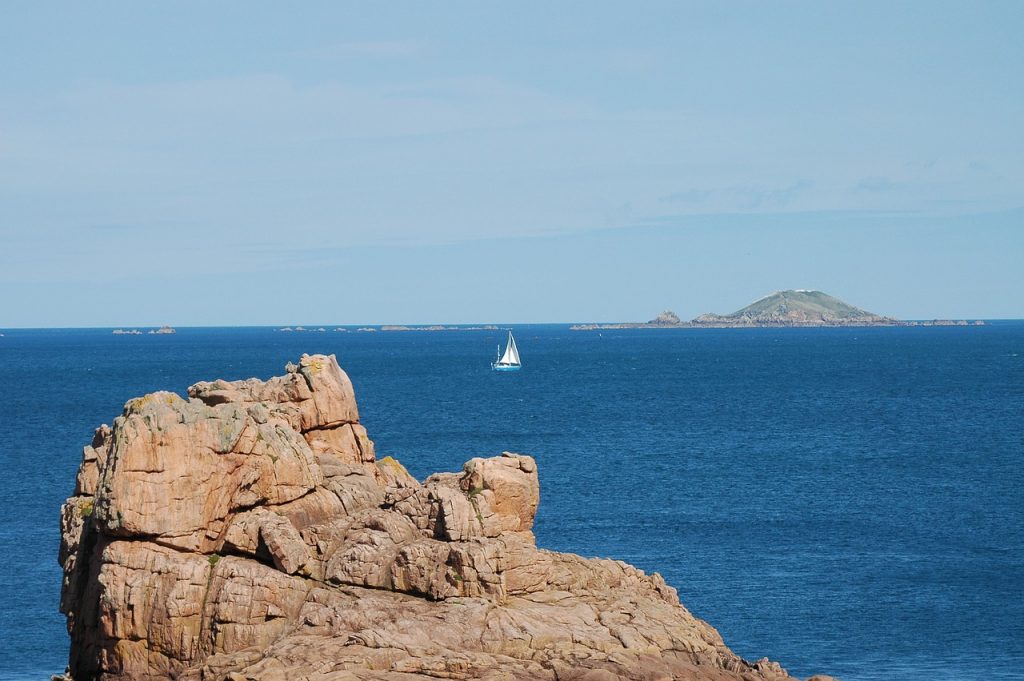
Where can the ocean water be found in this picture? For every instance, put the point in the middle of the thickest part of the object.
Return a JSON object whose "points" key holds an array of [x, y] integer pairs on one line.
{"points": [[845, 501]]}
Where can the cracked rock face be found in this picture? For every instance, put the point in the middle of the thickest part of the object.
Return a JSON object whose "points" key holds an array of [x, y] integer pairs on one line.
{"points": [[249, 532]]}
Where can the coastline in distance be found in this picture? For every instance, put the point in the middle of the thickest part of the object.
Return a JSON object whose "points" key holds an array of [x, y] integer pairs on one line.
{"points": [[799, 308]]}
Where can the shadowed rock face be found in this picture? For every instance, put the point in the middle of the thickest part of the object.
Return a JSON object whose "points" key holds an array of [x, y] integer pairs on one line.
{"points": [[250, 533]]}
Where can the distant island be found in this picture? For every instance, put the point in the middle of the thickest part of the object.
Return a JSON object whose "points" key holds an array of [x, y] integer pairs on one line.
{"points": [[162, 331], [437, 327], [793, 308], [398, 327]]}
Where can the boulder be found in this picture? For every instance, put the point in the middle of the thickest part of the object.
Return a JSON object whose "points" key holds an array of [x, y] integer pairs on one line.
{"points": [[510, 486]]}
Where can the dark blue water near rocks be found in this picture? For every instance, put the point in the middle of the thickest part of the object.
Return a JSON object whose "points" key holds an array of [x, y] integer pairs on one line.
{"points": [[847, 501]]}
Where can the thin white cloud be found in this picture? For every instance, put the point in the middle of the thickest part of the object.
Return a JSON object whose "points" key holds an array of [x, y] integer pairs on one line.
{"points": [[876, 183], [687, 196], [744, 197], [631, 60], [377, 49]]}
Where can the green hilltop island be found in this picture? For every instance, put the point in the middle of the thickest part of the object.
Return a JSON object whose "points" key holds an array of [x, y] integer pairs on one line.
{"points": [[800, 308]]}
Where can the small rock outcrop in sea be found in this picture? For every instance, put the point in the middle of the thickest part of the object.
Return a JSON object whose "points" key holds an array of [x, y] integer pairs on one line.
{"points": [[666, 318], [250, 532]]}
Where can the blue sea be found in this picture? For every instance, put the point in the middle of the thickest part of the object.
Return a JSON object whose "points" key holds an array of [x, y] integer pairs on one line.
{"points": [[845, 501]]}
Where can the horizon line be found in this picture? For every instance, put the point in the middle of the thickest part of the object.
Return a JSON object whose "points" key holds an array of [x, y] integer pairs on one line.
{"points": [[315, 327]]}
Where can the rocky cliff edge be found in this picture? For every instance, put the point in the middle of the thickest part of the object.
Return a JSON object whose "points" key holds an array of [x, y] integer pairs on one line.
{"points": [[249, 532]]}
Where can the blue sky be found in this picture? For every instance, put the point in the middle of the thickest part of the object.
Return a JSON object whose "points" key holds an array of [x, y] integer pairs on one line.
{"points": [[250, 163]]}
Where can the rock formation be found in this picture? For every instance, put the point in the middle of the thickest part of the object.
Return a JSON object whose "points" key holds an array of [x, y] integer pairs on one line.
{"points": [[666, 318], [250, 532], [797, 308]]}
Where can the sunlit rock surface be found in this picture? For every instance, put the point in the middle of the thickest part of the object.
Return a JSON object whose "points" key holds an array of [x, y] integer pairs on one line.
{"points": [[249, 532]]}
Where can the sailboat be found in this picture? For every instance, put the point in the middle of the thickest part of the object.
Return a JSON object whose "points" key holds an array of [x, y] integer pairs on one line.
{"points": [[510, 360]]}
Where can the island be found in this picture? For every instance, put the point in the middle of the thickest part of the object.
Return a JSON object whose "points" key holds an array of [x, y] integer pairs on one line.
{"points": [[437, 327], [249, 532], [400, 327], [791, 308], [162, 331]]}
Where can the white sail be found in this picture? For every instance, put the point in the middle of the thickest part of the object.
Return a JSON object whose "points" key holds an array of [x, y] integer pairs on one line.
{"points": [[511, 356], [513, 350]]}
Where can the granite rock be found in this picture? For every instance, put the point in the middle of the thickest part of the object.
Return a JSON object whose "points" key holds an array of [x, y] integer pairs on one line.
{"points": [[249, 532]]}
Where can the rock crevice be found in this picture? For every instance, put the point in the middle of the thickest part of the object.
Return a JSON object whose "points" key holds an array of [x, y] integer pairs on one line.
{"points": [[249, 532]]}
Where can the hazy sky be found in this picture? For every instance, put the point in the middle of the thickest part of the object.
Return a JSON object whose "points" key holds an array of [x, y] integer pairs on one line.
{"points": [[272, 163]]}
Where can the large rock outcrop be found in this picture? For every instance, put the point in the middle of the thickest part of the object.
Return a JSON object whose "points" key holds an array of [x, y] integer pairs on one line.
{"points": [[249, 532]]}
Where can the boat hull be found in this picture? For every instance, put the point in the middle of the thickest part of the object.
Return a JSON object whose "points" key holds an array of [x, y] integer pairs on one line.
{"points": [[506, 367]]}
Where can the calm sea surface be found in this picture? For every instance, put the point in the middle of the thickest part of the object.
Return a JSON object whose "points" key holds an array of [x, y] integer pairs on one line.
{"points": [[846, 501]]}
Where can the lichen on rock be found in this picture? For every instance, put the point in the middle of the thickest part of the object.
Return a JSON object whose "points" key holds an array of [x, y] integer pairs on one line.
{"points": [[249, 532]]}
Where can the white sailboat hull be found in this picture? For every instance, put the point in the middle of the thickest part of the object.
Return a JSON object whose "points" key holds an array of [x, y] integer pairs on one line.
{"points": [[506, 367]]}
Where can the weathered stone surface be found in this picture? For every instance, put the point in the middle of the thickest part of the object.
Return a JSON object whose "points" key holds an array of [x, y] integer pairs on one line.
{"points": [[94, 457], [177, 469], [391, 473], [250, 533], [314, 394], [342, 442], [510, 486]]}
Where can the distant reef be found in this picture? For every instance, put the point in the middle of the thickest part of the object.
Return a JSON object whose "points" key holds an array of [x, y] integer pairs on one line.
{"points": [[799, 308], [437, 327], [162, 331], [399, 327]]}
